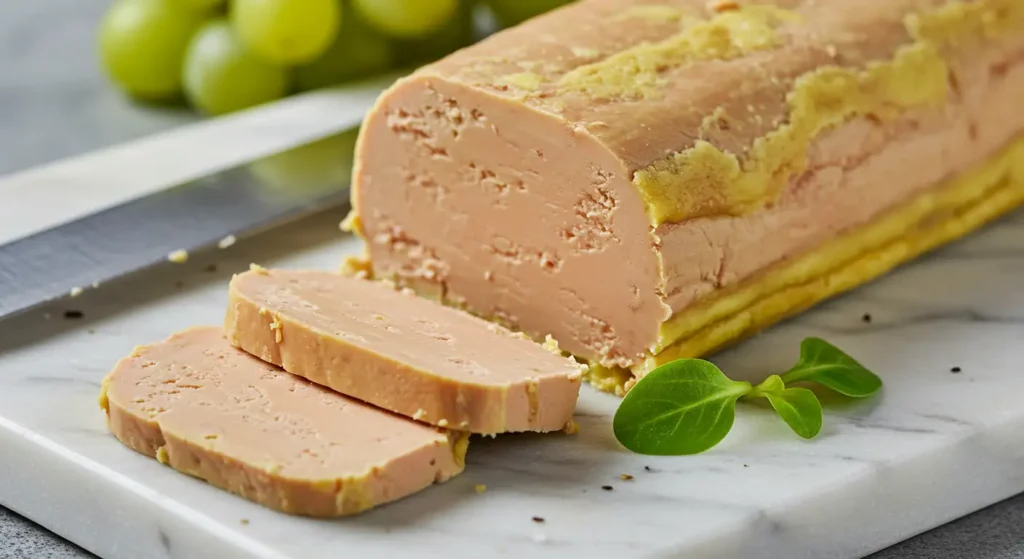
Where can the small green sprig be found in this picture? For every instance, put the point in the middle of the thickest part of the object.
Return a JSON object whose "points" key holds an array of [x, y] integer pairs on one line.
{"points": [[688, 406]]}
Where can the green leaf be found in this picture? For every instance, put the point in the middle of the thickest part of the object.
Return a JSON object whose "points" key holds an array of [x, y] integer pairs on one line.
{"points": [[826, 364], [799, 408], [682, 407], [772, 384]]}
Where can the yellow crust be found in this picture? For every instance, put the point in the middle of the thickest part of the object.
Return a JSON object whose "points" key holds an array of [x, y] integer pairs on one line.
{"points": [[636, 72], [944, 214], [706, 181]]}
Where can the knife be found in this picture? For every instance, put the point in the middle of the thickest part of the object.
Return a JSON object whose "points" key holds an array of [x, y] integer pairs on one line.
{"points": [[83, 221]]}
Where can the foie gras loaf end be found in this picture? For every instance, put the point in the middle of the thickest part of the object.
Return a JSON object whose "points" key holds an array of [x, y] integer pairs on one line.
{"points": [[401, 352], [211, 411], [651, 179]]}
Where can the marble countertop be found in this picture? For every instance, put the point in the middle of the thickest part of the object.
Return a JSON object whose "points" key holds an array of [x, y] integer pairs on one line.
{"points": [[54, 103]]}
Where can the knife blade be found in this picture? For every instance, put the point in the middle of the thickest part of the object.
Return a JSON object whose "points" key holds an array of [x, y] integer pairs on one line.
{"points": [[90, 219]]}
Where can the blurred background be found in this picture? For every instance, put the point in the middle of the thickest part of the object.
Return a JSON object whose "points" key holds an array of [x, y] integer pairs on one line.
{"points": [[79, 75], [83, 74]]}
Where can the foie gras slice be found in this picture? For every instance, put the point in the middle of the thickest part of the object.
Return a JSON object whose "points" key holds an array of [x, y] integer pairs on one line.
{"points": [[209, 410], [401, 352]]}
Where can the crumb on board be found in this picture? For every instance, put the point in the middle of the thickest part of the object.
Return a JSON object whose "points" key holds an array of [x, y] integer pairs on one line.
{"points": [[73, 314], [955, 369], [538, 519], [76, 291], [179, 256], [227, 242], [479, 488], [571, 428], [607, 487], [625, 477], [244, 521]]}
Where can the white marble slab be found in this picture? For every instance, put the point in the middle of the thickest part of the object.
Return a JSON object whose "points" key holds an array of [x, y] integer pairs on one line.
{"points": [[935, 446]]}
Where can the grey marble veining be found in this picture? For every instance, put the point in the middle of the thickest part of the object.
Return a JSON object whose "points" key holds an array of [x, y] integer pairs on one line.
{"points": [[993, 533], [935, 446]]}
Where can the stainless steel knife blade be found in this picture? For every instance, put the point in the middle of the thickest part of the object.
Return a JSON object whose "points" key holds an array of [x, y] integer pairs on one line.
{"points": [[58, 240]]}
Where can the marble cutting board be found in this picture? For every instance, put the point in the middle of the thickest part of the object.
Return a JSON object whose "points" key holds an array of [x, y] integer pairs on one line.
{"points": [[934, 446]]}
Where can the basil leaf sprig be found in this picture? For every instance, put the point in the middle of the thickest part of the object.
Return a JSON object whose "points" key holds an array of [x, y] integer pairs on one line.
{"points": [[688, 406]]}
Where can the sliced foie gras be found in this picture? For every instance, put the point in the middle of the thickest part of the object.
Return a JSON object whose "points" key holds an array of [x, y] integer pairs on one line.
{"points": [[209, 410], [403, 353]]}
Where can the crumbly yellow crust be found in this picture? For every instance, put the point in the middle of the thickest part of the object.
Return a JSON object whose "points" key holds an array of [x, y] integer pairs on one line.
{"points": [[944, 214], [705, 180]]}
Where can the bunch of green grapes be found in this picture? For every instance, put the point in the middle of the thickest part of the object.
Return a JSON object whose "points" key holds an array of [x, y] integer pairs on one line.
{"points": [[225, 55]]}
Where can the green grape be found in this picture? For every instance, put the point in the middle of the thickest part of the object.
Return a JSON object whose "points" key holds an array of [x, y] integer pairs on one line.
{"points": [[201, 5], [221, 76], [287, 32], [142, 45], [457, 32], [406, 19], [514, 12], [357, 52]]}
